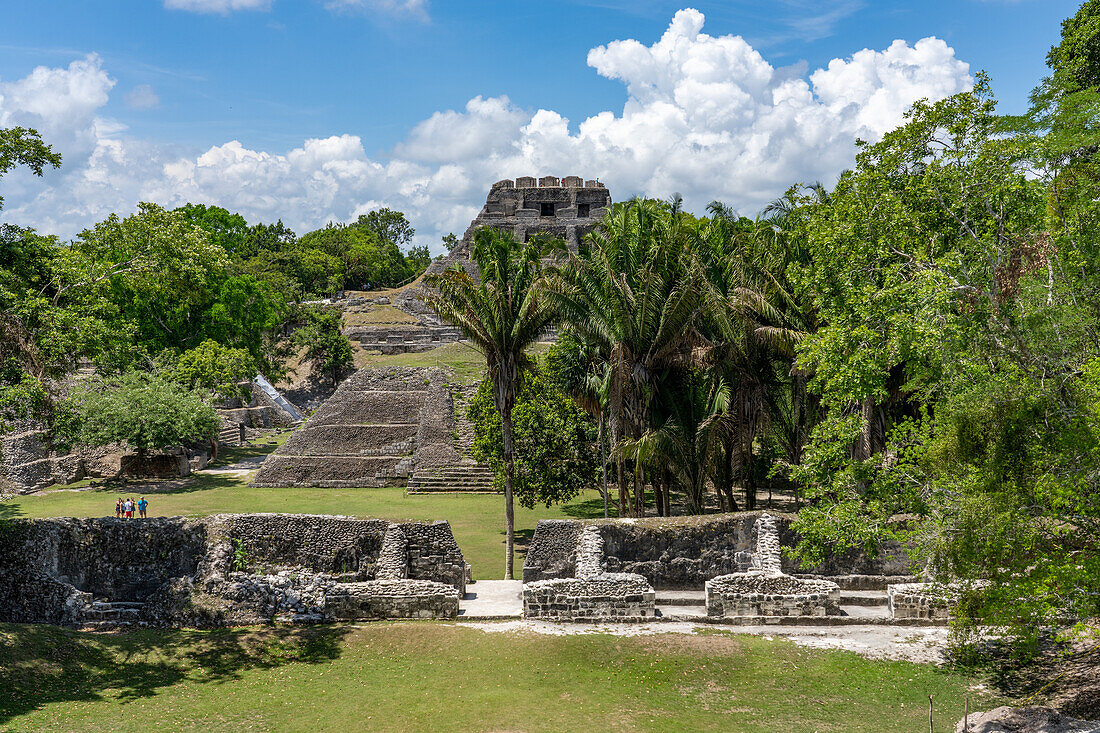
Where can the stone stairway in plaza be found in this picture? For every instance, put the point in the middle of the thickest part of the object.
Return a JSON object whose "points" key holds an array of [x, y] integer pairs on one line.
{"points": [[105, 615], [858, 607], [465, 477]]}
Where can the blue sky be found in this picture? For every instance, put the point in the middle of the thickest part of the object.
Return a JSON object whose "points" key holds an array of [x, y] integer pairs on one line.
{"points": [[272, 74]]}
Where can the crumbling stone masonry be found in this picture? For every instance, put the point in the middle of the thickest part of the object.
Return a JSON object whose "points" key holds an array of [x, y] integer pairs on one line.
{"points": [[227, 570], [594, 594], [920, 601], [568, 208], [682, 553], [765, 590]]}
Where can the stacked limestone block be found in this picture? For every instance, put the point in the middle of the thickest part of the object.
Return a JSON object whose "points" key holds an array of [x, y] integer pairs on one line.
{"points": [[766, 590], [593, 595], [392, 594], [364, 435], [387, 599], [919, 601], [227, 570]]}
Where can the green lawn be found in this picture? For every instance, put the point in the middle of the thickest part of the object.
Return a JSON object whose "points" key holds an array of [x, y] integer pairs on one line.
{"points": [[434, 676], [477, 520]]}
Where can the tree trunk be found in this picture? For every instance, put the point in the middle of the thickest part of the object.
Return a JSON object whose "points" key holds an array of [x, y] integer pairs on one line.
{"points": [[726, 474], [509, 512], [603, 463], [749, 475]]}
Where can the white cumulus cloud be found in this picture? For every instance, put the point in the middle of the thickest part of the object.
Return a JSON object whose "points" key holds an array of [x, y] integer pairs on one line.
{"points": [[708, 117]]}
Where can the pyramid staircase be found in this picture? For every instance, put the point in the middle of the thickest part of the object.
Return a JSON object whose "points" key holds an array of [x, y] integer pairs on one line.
{"points": [[468, 476]]}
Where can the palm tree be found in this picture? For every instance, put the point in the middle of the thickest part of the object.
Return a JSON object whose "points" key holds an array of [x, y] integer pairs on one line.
{"points": [[502, 313], [635, 290], [686, 444]]}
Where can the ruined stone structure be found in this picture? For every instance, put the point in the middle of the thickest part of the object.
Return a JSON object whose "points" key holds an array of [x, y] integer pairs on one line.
{"points": [[682, 553], [593, 594], [227, 570], [766, 590], [567, 208], [725, 568], [382, 427]]}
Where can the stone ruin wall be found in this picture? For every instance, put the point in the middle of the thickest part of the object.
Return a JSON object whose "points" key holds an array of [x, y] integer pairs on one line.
{"points": [[765, 590], [227, 569], [682, 553], [592, 594]]}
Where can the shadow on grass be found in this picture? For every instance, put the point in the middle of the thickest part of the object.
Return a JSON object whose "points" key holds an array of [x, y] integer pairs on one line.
{"points": [[237, 453], [42, 664], [9, 511], [588, 509]]}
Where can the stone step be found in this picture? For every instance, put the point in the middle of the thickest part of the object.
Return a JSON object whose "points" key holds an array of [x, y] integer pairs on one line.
{"points": [[127, 611], [797, 620], [681, 612], [865, 612], [863, 598], [681, 598]]}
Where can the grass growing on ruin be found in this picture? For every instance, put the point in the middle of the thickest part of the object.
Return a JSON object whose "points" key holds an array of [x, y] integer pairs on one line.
{"points": [[432, 676], [467, 363], [377, 315], [477, 520]]}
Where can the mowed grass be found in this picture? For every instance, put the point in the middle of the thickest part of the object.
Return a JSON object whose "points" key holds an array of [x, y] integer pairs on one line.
{"points": [[435, 676], [477, 520]]}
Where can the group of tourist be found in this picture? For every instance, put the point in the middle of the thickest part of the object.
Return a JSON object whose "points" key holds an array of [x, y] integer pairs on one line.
{"points": [[124, 508]]}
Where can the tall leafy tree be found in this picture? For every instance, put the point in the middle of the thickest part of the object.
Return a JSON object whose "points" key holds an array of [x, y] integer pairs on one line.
{"points": [[24, 146], [502, 313]]}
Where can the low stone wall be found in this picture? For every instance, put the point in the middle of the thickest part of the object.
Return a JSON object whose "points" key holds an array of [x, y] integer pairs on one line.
{"points": [[919, 601], [28, 461], [226, 569], [327, 544], [755, 594], [594, 594], [160, 465], [382, 599], [684, 552], [611, 596]]}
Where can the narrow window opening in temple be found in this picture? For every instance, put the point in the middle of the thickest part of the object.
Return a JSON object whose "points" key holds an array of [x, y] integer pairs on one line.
{"points": [[546, 209], [582, 210]]}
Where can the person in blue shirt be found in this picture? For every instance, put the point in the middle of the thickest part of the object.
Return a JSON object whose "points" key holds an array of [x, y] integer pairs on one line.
{"points": [[142, 505]]}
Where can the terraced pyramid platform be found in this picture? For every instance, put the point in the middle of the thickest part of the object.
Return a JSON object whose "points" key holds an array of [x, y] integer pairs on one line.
{"points": [[362, 436]]}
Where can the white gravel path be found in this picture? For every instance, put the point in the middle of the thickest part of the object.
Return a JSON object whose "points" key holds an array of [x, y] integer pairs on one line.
{"points": [[912, 644]]}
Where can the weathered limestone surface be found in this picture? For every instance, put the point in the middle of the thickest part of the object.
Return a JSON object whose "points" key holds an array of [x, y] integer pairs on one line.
{"points": [[397, 598], [226, 569], [28, 461], [592, 595], [766, 590], [1025, 720], [682, 553], [919, 600]]}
